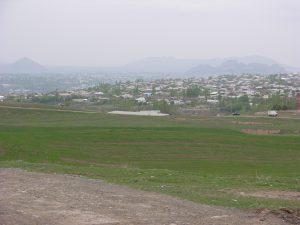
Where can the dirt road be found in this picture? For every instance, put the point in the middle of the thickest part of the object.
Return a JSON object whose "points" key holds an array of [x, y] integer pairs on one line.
{"points": [[28, 198]]}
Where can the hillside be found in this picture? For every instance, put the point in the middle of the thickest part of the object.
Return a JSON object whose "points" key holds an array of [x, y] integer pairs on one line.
{"points": [[23, 65]]}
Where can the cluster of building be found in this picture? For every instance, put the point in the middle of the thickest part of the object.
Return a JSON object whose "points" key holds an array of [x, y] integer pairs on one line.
{"points": [[184, 91], [210, 89]]}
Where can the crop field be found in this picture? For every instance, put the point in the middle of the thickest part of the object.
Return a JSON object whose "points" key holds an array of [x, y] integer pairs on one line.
{"points": [[204, 159]]}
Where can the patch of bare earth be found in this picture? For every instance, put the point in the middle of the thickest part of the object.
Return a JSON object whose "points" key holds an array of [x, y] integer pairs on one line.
{"points": [[261, 131], [250, 123], [85, 162], [288, 215], [28, 198], [287, 195]]}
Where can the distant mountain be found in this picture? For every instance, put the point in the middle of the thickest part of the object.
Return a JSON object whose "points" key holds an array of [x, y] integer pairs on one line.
{"points": [[23, 65], [161, 66], [175, 65], [235, 67]]}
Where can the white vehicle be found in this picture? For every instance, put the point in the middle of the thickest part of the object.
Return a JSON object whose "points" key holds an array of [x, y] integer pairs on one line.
{"points": [[272, 113]]}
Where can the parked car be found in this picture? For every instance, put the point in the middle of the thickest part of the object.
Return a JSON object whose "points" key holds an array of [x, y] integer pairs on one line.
{"points": [[236, 114], [272, 113]]}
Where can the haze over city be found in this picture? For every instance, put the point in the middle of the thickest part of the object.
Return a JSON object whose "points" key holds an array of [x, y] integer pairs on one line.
{"points": [[116, 32]]}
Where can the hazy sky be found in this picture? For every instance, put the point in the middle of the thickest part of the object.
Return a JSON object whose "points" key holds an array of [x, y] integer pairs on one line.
{"points": [[112, 32]]}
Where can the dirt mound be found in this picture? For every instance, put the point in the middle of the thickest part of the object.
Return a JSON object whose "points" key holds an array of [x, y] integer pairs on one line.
{"points": [[29, 198]]}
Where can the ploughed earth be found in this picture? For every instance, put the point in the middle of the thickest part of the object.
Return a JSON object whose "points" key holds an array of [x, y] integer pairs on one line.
{"points": [[29, 198]]}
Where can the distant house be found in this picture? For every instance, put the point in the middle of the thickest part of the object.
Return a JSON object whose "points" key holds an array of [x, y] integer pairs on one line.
{"points": [[127, 96], [178, 102], [212, 101], [98, 94], [79, 100], [103, 100], [64, 95], [141, 100]]}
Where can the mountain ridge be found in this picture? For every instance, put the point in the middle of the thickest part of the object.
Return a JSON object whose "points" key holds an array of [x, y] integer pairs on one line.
{"points": [[162, 65], [235, 67]]}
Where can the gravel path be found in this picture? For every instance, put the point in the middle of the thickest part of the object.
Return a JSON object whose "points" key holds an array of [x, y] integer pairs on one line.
{"points": [[28, 198]]}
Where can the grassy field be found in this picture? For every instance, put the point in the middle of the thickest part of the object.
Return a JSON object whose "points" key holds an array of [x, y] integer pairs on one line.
{"points": [[203, 159]]}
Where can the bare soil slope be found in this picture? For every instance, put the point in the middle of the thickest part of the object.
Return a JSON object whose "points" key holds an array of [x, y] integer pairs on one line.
{"points": [[28, 198]]}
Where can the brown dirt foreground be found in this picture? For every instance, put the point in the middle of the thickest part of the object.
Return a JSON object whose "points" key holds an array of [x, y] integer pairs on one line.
{"points": [[29, 198]]}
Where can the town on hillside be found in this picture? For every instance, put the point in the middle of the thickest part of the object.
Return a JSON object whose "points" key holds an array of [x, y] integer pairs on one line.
{"points": [[204, 96]]}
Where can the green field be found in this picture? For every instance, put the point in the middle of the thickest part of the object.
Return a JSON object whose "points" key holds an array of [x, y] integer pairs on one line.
{"points": [[203, 159]]}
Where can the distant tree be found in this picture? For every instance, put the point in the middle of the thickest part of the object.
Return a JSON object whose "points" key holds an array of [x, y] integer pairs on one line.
{"points": [[276, 107], [125, 104], [153, 92], [116, 90], [136, 90], [104, 87], [234, 104], [164, 107], [277, 102], [206, 93], [193, 92], [244, 102]]}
